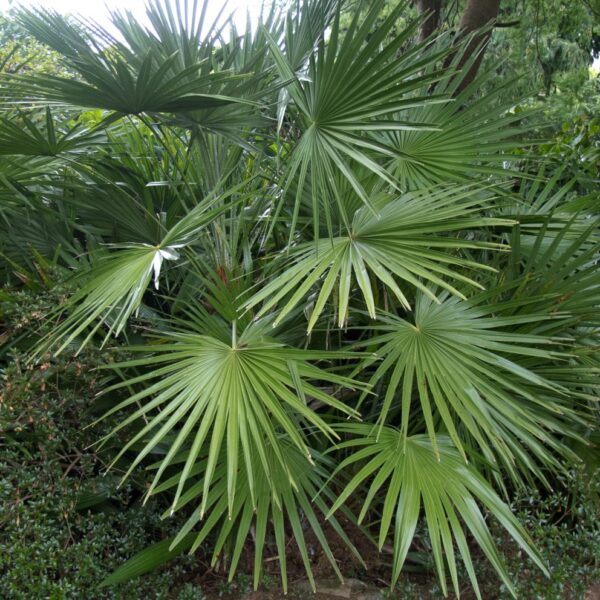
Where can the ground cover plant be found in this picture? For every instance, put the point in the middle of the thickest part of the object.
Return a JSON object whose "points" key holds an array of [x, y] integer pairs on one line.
{"points": [[329, 294], [65, 525]]}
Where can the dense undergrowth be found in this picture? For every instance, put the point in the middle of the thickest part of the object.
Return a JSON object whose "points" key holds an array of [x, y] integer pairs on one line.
{"points": [[65, 525]]}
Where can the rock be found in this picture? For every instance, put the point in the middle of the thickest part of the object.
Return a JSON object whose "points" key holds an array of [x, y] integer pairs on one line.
{"points": [[334, 588], [593, 593], [353, 589]]}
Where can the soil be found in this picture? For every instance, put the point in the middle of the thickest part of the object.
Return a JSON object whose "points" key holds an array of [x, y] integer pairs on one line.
{"points": [[362, 581]]}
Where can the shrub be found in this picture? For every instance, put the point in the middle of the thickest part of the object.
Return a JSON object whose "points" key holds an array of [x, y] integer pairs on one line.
{"points": [[65, 525]]}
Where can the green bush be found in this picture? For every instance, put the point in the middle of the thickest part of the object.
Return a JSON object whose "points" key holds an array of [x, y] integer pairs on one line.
{"points": [[350, 312], [64, 525], [565, 525]]}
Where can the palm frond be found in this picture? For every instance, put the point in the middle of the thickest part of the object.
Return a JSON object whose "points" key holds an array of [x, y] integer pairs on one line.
{"points": [[473, 136], [262, 508], [115, 78], [351, 89], [417, 477], [118, 282], [24, 135], [410, 238], [466, 365], [240, 392]]}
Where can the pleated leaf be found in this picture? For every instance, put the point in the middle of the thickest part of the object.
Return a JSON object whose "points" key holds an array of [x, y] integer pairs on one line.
{"points": [[24, 135], [411, 478], [268, 510], [235, 395], [354, 84], [414, 239], [474, 137], [115, 79], [112, 291], [468, 369]]}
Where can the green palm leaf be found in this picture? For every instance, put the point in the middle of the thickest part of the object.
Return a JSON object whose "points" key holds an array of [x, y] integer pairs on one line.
{"points": [[409, 239], [352, 88], [262, 507], [23, 135], [239, 392], [465, 364], [552, 271], [305, 23], [114, 78], [411, 477], [147, 560], [114, 288], [473, 137]]}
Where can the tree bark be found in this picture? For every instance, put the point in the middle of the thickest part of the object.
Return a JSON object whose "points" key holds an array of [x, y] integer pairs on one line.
{"points": [[477, 14], [434, 8]]}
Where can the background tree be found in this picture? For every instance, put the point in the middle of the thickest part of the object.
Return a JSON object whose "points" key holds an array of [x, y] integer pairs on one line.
{"points": [[546, 42]]}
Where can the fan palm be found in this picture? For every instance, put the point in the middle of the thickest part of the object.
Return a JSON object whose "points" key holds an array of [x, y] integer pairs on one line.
{"points": [[293, 230]]}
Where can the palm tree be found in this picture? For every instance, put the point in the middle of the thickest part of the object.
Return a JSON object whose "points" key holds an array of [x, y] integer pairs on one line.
{"points": [[339, 290]]}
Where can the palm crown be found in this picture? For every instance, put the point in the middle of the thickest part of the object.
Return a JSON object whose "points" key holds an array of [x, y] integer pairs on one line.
{"points": [[330, 285]]}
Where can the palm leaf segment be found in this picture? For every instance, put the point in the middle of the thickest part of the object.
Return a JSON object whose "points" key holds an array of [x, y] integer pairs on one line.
{"points": [[243, 391], [465, 363], [416, 477], [263, 505], [115, 76], [409, 239]]}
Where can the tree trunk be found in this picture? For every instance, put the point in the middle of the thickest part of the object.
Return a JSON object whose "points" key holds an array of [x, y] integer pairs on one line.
{"points": [[434, 8], [477, 14]]}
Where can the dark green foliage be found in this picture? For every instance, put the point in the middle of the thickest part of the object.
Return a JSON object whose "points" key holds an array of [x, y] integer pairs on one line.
{"points": [[565, 524], [64, 524], [549, 45], [574, 150]]}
